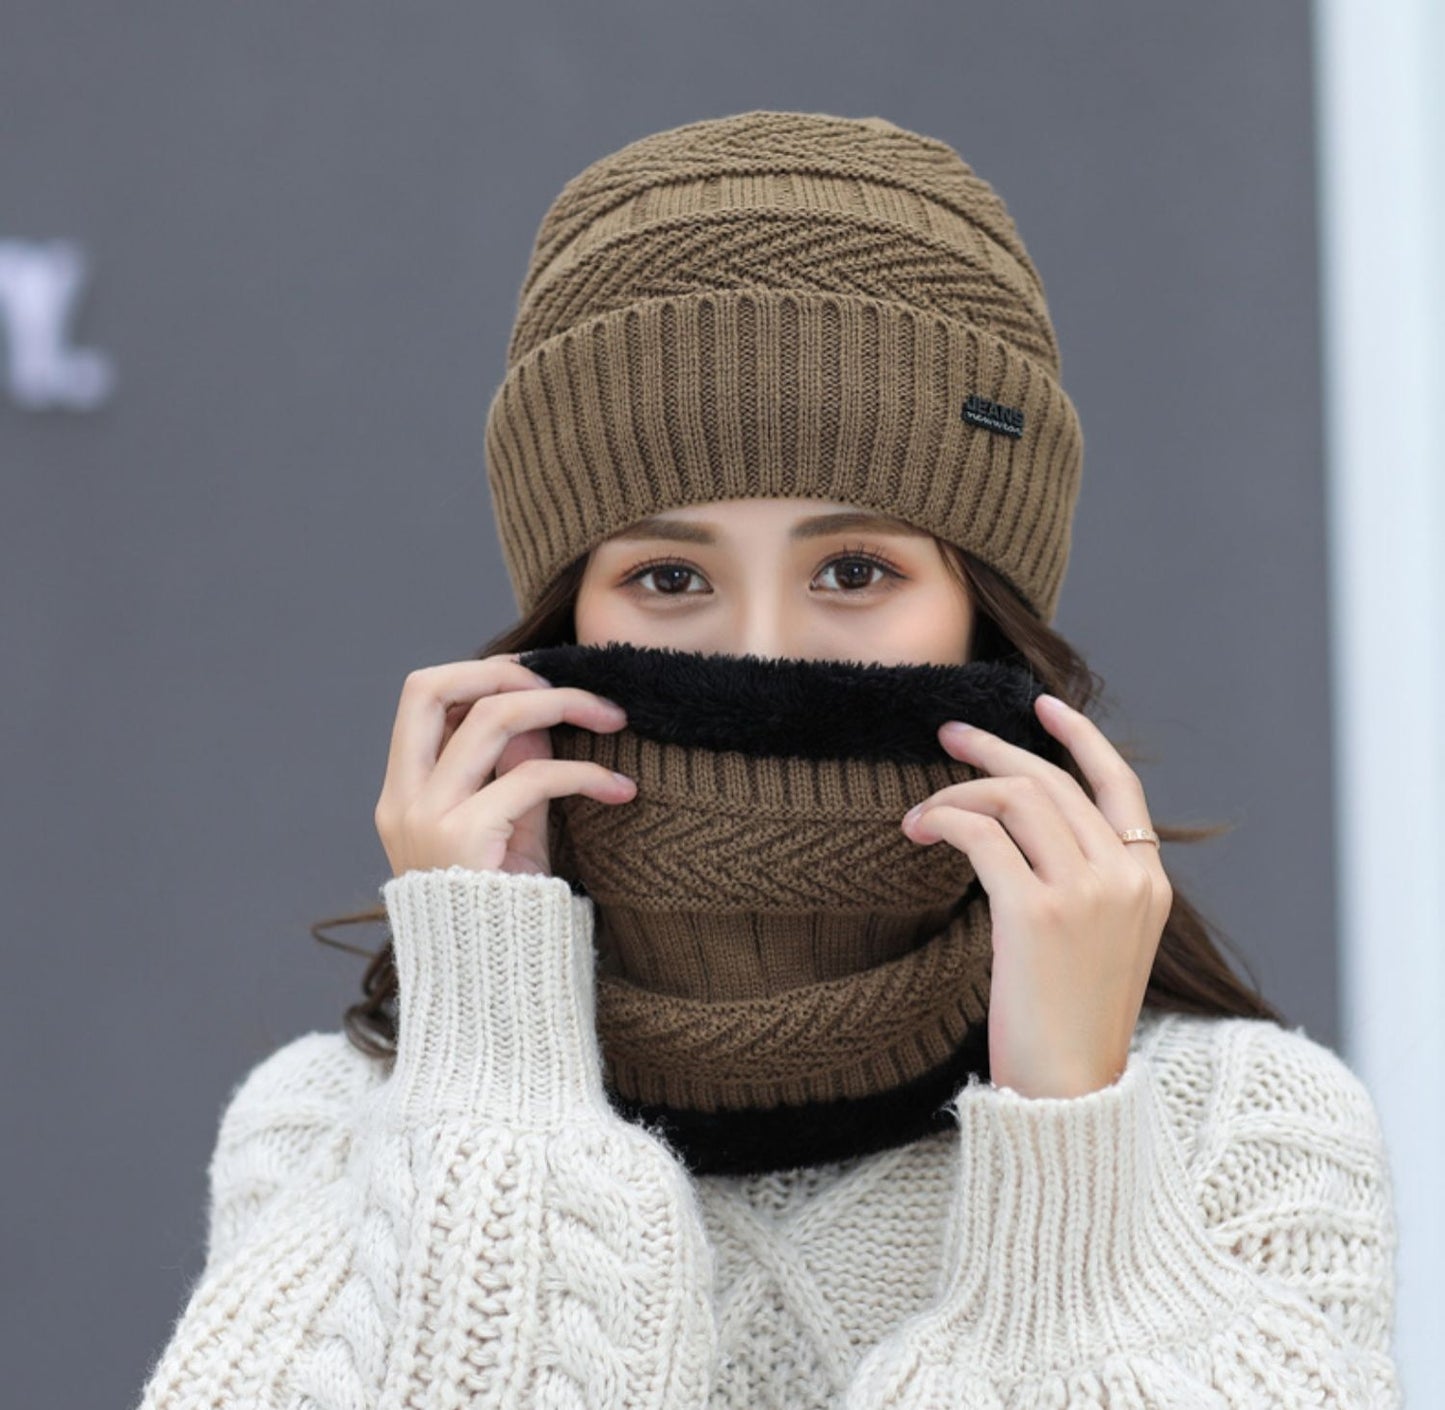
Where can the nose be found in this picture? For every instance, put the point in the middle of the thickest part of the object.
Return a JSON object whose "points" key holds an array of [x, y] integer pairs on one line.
{"points": [[762, 624]]}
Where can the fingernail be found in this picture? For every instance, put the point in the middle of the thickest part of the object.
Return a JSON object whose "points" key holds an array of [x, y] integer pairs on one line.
{"points": [[621, 778], [913, 812], [957, 727]]}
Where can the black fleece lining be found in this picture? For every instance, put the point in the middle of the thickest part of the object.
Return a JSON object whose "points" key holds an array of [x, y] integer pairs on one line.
{"points": [[811, 709]]}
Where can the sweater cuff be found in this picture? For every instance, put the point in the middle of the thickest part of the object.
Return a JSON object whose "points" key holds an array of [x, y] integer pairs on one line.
{"points": [[1074, 1231], [495, 995]]}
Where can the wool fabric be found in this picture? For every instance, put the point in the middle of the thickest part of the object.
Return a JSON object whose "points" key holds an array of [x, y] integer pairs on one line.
{"points": [[784, 304], [773, 304], [785, 976], [473, 1224]]}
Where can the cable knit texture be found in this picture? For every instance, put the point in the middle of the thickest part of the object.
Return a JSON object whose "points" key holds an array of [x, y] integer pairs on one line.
{"points": [[472, 1224]]}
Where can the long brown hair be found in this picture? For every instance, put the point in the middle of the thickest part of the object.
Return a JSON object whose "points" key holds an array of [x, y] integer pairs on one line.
{"points": [[1190, 973]]}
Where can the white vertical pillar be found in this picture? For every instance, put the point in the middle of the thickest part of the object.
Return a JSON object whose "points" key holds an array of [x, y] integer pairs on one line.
{"points": [[1380, 125]]}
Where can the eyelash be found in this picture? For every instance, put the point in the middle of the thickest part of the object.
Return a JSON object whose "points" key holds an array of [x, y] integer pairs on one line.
{"points": [[848, 555]]}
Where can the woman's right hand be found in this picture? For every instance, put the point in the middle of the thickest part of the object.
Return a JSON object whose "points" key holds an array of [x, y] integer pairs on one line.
{"points": [[471, 769]]}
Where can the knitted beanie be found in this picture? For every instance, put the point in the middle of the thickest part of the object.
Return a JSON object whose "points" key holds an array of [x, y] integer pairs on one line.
{"points": [[784, 304]]}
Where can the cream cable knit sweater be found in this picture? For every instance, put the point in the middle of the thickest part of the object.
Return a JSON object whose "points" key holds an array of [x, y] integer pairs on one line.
{"points": [[477, 1226]]}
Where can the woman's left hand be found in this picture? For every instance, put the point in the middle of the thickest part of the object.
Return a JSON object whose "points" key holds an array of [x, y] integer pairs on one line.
{"points": [[1077, 913]]}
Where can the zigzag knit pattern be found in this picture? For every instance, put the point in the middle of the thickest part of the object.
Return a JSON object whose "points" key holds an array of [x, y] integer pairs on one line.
{"points": [[891, 214], [782, 303], [473, 1224]]}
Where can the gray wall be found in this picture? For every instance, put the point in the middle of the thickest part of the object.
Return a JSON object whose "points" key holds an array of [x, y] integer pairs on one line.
{"points": [[307, 227]]}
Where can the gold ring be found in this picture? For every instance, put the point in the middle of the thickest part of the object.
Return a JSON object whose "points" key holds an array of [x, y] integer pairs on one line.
{"points": [[1140, 834]]}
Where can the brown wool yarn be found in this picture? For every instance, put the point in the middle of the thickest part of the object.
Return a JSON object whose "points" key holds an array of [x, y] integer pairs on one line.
{"points": [[767, 935], [775, 304], [783, 977]]}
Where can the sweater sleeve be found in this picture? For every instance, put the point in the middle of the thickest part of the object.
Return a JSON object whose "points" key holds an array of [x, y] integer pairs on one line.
{"points": [[1089, 1264], [475, 1226], [284, 1131]]}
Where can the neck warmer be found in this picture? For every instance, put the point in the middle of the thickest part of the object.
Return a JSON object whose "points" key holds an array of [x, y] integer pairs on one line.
{"points": [[783, 977]]}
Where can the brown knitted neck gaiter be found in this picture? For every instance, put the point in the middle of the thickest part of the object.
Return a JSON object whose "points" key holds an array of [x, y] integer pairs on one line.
{"points": [[769, 941]]}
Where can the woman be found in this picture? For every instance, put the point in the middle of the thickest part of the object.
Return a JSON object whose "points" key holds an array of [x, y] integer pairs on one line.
{"points": [[703, 1068]]}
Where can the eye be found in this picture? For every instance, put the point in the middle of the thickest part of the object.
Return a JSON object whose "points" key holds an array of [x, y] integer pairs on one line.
{"points": [[670, 571], [670, 576], [855, 582]]}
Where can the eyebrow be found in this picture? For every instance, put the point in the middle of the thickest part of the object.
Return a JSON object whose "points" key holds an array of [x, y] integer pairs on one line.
{"points": [[684, 531]]}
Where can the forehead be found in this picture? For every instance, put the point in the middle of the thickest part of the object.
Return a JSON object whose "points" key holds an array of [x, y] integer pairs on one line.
{"points": [[702, 523]]}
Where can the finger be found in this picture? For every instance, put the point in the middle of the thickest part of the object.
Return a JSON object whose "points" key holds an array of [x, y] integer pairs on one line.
{"points": [[494, 722], [530, 744], [1096, 837], [1121, 800], [513, 794], [487, 821], [982, 839], [1027, 809], [428, 693]]}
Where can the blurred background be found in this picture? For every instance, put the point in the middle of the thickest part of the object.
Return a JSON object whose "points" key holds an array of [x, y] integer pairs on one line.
{"points": [[258, 266]]}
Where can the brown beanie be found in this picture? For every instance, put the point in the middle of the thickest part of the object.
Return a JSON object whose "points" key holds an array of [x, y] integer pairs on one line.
{"points": [[784, 304]]}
